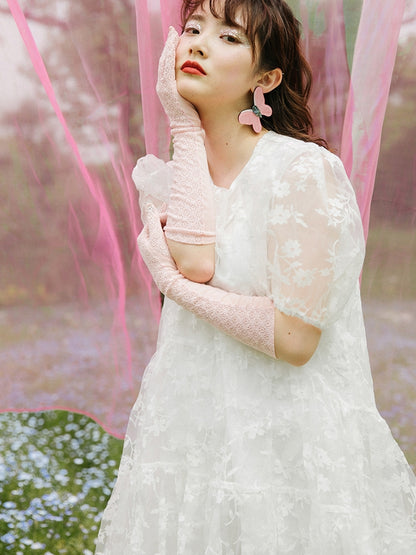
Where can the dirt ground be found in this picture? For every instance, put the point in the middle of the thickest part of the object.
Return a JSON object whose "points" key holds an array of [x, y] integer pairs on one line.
{"points": [[47, 351], [391, 338]]}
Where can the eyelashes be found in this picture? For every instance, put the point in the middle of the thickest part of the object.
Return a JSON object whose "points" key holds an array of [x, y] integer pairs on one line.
{"points": [[229, 35], [237, 37], [192, 26]]}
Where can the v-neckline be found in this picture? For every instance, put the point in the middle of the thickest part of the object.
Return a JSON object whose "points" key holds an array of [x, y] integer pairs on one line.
{"points": [[246, 165]]}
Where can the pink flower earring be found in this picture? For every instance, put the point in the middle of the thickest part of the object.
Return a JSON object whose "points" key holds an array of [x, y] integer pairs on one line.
{"points": [[254, 114]]}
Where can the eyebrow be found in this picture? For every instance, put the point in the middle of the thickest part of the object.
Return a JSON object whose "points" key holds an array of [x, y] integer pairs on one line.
{"points": [[201, 17]]}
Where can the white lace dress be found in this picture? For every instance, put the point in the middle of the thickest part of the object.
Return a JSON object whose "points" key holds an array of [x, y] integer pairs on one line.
{"points": [[230, 452]]}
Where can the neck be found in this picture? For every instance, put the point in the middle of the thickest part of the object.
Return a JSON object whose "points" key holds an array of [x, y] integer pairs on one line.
{"points": [[229, 145]]}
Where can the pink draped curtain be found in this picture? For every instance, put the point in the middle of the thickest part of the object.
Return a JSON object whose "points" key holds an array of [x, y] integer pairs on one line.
{"points": [[79, 310], [349, 105]]}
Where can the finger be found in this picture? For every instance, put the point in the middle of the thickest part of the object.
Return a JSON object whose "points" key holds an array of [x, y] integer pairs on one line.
{"points": [[143, 236], [150, 214], [163, 214], [173, 33], [157, 236], [167, 59], [155, 228], [172, 39], [147, 210], [141, 244], [163, 219]]}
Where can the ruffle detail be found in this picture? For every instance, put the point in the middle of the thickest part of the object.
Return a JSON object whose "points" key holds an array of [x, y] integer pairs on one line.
{"points": [[152, 178]]}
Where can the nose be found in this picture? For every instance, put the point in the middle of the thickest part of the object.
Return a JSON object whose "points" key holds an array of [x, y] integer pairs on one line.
{"points": [[197, 50], [198, 46]]}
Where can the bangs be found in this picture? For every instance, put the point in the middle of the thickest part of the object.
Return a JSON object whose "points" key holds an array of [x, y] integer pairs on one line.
{"points": [[252, 14], [274, 34]]}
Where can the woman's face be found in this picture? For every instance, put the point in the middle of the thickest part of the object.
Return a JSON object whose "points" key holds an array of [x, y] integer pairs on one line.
{"points": [[215, 68]]}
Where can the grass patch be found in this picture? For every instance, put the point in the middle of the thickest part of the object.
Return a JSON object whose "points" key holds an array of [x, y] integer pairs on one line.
{"points": [[57, 470]]}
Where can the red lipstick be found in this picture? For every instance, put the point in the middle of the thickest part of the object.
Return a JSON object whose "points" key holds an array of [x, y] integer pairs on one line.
{"points": [[192, 67]]}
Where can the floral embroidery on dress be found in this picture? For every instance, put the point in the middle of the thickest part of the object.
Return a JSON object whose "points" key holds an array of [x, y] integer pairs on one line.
{"points": [[230, 452]]}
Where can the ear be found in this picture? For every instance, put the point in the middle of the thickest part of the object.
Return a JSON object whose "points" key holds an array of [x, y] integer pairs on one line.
{"points": [[270, 80]]}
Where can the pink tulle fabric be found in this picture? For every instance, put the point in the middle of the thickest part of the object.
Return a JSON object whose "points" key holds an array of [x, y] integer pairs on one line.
{"points": [[79, 312]]}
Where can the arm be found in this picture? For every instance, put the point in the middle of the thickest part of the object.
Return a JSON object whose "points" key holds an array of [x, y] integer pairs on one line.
{"points": [[315, 241], [190, 227], [295, 340], [315, 253], [195, 262], [252, 320]]}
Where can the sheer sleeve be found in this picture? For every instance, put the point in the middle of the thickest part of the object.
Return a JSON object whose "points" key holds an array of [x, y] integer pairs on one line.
{"points": [[152, 178], [315, 238]]}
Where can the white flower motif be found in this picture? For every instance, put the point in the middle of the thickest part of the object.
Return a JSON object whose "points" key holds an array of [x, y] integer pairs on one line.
{"points": [[220, 495], [323, 483], [280, 215], [301, 186], [302, 277], [281, 189], [337, 201], [299, 218], [291, 248]]}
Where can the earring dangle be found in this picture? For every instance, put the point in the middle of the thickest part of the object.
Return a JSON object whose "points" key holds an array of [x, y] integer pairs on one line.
{"points": [[254, 114]]}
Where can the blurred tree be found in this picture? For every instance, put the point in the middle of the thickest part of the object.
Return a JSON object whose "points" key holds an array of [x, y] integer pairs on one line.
{"points": [[395, 190], [90, 54], [91, 58]]}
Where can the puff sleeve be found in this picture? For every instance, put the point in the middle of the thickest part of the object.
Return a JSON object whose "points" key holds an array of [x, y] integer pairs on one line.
{"points": [[315, 239], [152, 178]]}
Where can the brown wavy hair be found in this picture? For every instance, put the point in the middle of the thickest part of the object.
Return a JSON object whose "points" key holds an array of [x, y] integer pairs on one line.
{"points": [[274, 34]]}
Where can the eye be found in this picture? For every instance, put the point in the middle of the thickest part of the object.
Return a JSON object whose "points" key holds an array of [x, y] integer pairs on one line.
{"points": [[234, 36], [230, 37], [192, 28], [192, 31]]}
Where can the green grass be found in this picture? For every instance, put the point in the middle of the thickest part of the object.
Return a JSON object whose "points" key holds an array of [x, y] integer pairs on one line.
{"points": [[57, 470]]}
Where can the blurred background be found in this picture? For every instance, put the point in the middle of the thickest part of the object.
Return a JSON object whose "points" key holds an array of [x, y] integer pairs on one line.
{"points": [[78, 313]]}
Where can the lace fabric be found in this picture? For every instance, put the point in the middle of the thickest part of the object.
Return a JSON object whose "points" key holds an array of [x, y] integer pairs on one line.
{"points": [[230, 452], [248, 318], [315, 238], [190, 215]]}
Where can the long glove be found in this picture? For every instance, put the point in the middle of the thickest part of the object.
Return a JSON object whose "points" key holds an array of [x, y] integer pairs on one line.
{"points": [[191, 215], [247, 319]]}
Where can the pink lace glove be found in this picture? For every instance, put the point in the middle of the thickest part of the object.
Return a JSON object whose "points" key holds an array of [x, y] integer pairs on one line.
{"points": [[191, 214], [247, 319]]}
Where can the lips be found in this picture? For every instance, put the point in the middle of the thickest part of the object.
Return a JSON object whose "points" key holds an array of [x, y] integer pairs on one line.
{"points": [[192, 67]]}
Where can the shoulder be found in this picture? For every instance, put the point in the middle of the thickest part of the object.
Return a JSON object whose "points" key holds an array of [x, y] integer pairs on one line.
{"points": [[311, 180], [300, 162], [282, 148]]}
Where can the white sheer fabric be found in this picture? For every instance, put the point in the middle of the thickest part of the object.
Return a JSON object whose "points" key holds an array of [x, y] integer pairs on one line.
{"points": [[229, 451], [316, 248]]}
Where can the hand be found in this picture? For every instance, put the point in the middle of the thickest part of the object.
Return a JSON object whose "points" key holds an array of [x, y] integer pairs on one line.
{"points": [[154, 250], [191, 213], [180, 112]]}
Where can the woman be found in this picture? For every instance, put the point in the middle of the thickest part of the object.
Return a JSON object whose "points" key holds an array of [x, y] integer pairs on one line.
{"points": [[255, 431]]}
